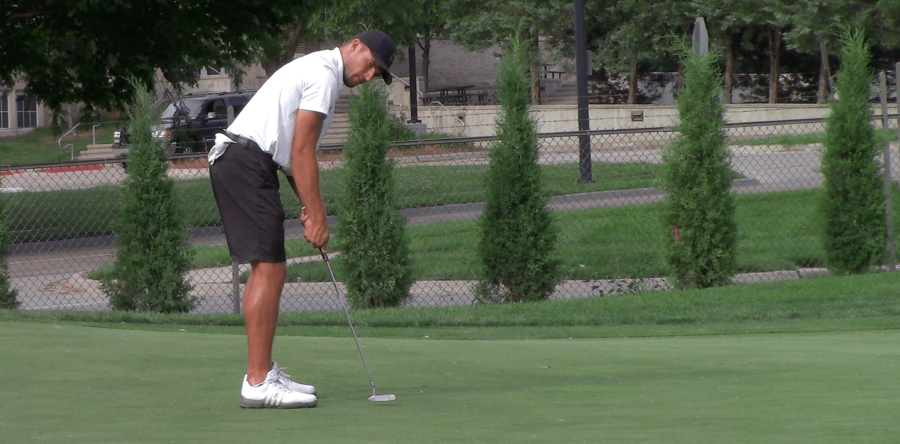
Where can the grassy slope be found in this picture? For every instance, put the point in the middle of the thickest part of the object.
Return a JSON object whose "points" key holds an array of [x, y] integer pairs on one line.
{"points": [[42, 146], [819, 304]]}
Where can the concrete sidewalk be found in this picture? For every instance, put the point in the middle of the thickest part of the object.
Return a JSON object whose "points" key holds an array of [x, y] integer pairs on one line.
{"points": [[214, 289]]}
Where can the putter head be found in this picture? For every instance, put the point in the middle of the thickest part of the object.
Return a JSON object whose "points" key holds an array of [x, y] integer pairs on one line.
{"points": [[382, 398]]}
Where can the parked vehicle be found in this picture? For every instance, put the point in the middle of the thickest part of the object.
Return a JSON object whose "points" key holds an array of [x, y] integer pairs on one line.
{"points": [[189, 123]]}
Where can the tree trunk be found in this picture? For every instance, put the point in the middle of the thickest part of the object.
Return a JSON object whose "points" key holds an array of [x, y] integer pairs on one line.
{"points": [[632, 81], [774, 63], [729, 67], [679, 78], [824, 76], [425, 45], [536, 70], [288, 49]]}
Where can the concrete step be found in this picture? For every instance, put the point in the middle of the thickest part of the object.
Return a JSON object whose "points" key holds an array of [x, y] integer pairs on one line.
{"points": [[565, 94], [339, 129], [99, 151]]}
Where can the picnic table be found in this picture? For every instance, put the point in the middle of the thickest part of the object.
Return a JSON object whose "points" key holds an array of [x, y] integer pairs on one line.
{"points": [[548, 73], [461, 95], [454, 95]]}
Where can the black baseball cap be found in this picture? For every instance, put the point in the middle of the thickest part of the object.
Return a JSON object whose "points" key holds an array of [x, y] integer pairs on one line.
{"points": [[383, 50]]}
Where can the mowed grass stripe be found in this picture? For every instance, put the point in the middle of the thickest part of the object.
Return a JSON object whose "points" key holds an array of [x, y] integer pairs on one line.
{"points": [[74, 384]]}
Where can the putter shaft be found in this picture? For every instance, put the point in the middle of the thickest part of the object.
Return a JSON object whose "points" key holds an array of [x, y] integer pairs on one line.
{"points": [[352, 330]]}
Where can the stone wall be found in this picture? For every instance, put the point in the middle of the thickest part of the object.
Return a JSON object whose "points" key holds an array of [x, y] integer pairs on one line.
{"points": [[452, 65]]}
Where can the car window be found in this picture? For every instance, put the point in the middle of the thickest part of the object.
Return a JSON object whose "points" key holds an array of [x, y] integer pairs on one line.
{"points": [[185, 108], [238, 103], [217, 106]]}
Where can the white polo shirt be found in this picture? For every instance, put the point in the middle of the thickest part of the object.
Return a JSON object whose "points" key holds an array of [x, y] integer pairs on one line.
{"points": [[311, 83]]}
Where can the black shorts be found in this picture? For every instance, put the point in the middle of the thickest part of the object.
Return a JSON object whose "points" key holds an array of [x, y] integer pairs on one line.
{"points": [[245, 185]]}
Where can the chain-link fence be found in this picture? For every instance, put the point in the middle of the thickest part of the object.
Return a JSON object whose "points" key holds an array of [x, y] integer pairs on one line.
{"points": [[607, 210]]}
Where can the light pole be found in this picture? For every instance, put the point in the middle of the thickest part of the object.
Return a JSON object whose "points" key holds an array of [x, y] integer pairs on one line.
{"points": [[584, 123]]}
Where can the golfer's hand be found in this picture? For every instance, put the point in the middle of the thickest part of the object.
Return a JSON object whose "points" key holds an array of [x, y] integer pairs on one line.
{"points": [[315, 228]]}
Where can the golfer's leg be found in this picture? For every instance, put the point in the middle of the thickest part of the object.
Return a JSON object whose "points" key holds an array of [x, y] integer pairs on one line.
{"points": [[261, 299]]}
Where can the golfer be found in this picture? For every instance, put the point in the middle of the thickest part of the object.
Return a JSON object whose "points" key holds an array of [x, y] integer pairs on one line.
{"points": [[280, 129]]}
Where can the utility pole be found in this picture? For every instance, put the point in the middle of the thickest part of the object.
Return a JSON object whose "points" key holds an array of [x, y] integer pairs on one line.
{"points": [[584, 122]]}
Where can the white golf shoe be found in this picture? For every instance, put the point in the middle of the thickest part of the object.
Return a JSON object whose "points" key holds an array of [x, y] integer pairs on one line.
{"points": [[287, 382], [271, 393]]}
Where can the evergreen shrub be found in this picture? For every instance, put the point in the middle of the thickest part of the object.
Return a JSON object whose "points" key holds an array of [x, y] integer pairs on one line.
{"points": [[153, 256], [854, 205], [373, 241], [8, 296], [516, 245], [699, 218]]}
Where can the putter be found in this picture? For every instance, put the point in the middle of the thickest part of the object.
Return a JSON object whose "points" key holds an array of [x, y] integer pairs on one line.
{"points": [[375, 396]]}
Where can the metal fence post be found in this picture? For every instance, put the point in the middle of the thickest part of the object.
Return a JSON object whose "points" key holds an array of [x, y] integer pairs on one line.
{"points": [[584, 121], [236, 286], [888, 180], [897, 97]]}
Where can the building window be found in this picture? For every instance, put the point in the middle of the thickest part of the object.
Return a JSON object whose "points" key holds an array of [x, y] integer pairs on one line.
{"points": [[4, 110], [26, 112]]}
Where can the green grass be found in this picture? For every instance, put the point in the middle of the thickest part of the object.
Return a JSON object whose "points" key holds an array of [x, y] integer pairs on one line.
{"points": [[790, 140], [42, 146], [777, 231], [811, 361], [83, 385], [784, 306], [59, 214], [787, 140]]}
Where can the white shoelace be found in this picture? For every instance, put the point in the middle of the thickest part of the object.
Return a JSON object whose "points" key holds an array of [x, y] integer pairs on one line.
{"points": [[283, 377]]}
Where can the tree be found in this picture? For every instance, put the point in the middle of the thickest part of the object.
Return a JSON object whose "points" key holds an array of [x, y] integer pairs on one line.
{"points": [[806, 33], [8, 296], [854, 206], [517, 241], [84, 50], [699, 207], [641, 34], [153, 256], [343, 19], [770, 16], [722, 20], [279, 49], [476, 24], [373, 241], [434, 25]]}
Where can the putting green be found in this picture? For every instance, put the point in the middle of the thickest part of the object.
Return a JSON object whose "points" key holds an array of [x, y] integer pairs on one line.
{"points": [[64, 383]]}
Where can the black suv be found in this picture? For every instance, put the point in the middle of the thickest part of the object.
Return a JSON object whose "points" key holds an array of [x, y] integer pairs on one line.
{"points": [[189, 123]]}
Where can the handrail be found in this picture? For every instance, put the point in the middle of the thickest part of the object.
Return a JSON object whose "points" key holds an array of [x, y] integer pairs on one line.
{"points": [[418, 91], [70, 146], [448, 110]]}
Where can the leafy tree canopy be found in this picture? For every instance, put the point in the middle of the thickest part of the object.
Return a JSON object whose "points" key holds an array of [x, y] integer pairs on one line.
{"points": [[83, 50]]}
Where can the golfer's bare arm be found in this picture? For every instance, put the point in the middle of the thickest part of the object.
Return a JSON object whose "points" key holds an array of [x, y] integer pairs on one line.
{"points": [[305, 181]]}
